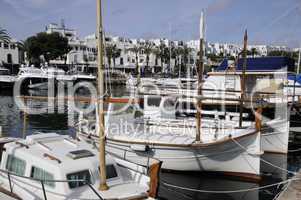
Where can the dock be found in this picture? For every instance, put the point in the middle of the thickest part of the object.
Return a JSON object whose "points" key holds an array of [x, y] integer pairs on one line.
{"points": [[293, 192]]}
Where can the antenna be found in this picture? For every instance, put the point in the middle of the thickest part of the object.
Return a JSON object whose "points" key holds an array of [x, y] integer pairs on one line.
{"points": [[299, 60], [63, 24]]}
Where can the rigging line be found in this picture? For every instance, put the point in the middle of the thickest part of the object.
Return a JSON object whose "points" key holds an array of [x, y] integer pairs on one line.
{"points": [[263, 160], [294, 150], [106, 71], [230, 191], [281, 192]]}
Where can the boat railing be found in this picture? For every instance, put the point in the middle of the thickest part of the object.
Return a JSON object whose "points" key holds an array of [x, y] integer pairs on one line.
{"points": [[147, 165], [42, 182]]}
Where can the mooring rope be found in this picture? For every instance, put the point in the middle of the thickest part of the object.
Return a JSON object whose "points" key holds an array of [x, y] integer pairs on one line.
{"points": [[265, 161], [230, 191]]}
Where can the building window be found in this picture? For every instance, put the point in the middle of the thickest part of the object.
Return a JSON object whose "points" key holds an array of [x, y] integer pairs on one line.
{"points": [[82, 175], [121, 61], [15, 165], [9, 59], [0, 44], [40, 174], [12, 46], [6, 46]]}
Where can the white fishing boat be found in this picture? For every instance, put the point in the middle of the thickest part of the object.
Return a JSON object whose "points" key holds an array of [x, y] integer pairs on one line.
{"points": [[162, 111], [227, 150], [51, 166], [233, 151]]}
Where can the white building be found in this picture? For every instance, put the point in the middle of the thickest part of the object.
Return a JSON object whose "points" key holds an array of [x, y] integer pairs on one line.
{"points": [[82, 51], [9, 52]]}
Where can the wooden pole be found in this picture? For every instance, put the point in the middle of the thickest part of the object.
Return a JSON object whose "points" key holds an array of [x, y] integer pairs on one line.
{"points": [[243, 79], [258, 120], [102, 160], [24, 120], [154, 173], [200, 79]]}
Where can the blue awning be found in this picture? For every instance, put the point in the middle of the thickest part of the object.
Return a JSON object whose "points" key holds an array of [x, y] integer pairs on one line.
{"points": [[262, 64]]}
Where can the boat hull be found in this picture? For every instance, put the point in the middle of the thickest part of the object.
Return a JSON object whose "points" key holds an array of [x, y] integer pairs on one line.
{"points": [[275, 138], [228, 157]]}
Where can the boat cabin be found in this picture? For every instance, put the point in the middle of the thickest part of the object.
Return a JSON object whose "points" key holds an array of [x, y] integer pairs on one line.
{"points": [[64, 165]]}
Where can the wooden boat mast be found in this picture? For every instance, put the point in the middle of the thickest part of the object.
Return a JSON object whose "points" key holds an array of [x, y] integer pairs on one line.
{"points": [[243, 78], [200, 71], [100, 82]]}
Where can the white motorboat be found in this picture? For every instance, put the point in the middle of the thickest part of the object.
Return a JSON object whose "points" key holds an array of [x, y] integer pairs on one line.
{"points": [[52, 72], [51, 166], [6, 79], [31, 77]]}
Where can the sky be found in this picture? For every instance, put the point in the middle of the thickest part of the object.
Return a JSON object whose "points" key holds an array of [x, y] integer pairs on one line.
{"points": [[276, 22]]}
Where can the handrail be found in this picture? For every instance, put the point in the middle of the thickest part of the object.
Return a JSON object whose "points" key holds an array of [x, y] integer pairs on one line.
{"points": [[10, 174], [87, 136]]}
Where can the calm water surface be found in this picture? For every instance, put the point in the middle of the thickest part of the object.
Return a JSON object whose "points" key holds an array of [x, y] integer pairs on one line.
{"points": [[12, 122]]}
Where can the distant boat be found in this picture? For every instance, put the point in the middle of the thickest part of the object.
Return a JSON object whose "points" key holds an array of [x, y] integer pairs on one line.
{"points": [[6, 79]]}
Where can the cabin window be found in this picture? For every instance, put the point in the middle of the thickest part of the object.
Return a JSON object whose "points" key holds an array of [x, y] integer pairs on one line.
{"points": [[111, 171], [152, 101], [15, 165], [40, 174], [82, 175]]}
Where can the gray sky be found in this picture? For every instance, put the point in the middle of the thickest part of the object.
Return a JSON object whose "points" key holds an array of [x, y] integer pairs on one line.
{"points": [[268, 21]]}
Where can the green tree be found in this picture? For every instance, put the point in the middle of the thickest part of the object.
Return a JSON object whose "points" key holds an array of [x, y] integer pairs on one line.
{"points": [[136, 49], [162, 54], [254, 52], [112, 52], [186, 52], [148, 49], [50, 46], [4, 36]]}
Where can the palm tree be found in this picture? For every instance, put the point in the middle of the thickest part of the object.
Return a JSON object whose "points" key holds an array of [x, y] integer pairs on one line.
{"points": [[4, 36], [136, 50], [176, 52], [162, 54], [148, 49], [112, 52], [185, 53]]}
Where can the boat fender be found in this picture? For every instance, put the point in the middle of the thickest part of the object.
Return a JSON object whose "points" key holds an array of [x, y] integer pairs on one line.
{"points": [[139, 147]]}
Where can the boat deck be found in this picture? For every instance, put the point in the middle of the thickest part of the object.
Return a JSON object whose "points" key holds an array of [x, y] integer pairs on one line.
{"points": [[4, 196]]}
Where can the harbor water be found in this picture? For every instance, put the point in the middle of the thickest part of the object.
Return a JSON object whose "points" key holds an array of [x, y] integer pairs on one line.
{"points": [[174, 186]]}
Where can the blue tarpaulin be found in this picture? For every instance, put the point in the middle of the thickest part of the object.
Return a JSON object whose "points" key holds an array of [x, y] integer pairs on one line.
{"points": [[296, 77], [262, 64]]}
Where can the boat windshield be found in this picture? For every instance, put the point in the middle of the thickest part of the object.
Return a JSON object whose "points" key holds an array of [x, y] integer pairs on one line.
{"points": [[77, 176]]}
